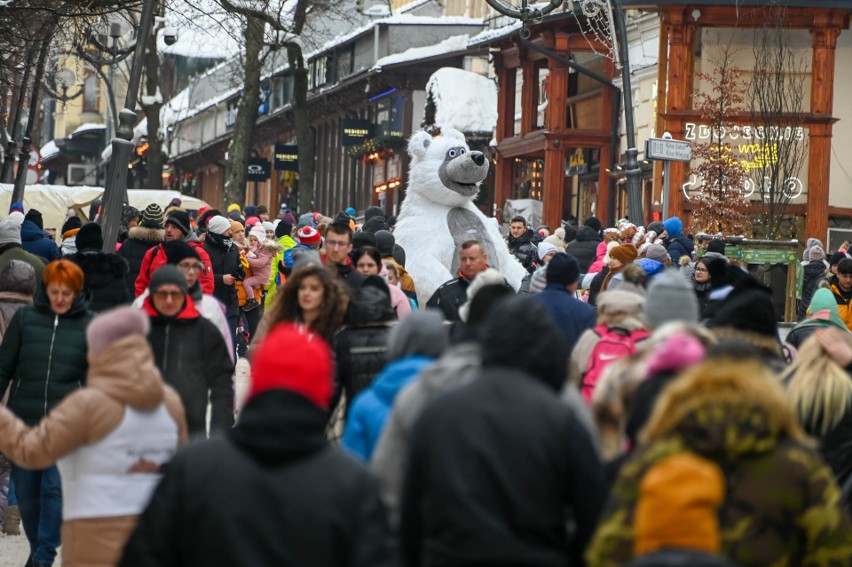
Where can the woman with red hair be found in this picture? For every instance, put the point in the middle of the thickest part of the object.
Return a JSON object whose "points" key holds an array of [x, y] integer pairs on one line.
{"points": [[43, 357]]}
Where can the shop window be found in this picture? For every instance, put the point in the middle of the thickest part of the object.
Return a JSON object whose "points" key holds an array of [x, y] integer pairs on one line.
{"points": [[543, 77], [344, 63]]}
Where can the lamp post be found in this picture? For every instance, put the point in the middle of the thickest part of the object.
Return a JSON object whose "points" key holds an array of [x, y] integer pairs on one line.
{"points": [[528, 15], [115, 189]]}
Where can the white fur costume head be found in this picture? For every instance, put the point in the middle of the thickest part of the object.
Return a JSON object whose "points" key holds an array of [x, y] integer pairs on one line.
{"points": [[460, 171], [438, 213]]}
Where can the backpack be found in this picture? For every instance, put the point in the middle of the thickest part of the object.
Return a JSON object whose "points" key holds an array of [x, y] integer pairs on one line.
{"points": [[614, 344]]}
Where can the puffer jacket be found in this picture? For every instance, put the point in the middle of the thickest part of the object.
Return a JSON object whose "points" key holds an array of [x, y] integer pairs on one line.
{"points": [[43, 355], [781, 504], [524, 250], [105, 277], [155, 258], [584, 247], [844, 304], [139, 240], [193, 358], [370, 409], [223, 261], [16, 290], [275, 280], [34, 241], [122, 376], [813, 273]]}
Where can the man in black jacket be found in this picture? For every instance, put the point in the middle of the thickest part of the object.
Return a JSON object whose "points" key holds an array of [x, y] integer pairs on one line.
{"points": [[499, 467], [290, 497], [190, 352], [225, 260], [453, 294], [584, 246], [520, 243]]}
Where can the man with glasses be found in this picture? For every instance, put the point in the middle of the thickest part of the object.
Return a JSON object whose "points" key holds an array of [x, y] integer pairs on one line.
{"points": [[190, 351], [338, 245]]}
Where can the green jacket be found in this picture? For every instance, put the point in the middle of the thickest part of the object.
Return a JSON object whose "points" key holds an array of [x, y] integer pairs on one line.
{"points": [[287, 242], [11, 252], [43, 356], [781, 505]]}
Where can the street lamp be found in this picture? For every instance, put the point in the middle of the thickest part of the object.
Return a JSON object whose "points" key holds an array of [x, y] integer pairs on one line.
{"points": [[115, 189], [615, 14]]}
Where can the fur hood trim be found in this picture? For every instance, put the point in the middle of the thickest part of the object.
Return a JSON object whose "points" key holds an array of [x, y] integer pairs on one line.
{"points": [[272, 245], [145, 234], [725, 406]]}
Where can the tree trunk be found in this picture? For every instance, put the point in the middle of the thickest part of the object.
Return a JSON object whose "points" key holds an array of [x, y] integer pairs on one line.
{"points": [[304, 132], [241, 138], [156, 159]]}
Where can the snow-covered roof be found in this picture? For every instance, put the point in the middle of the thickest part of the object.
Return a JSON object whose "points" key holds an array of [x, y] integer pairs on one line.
{"points": [[49, 150], [463, 100], [449, 45], [492, 34], [88, 126]]}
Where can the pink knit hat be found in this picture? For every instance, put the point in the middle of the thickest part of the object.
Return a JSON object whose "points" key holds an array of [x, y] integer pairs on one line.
{"points": [[111, 326], [677, 353]]}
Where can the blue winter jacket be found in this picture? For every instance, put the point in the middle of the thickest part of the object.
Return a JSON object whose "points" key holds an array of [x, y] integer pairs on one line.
{"points": [[34, 241], [650, 267], [371, 408], [571, 315]]}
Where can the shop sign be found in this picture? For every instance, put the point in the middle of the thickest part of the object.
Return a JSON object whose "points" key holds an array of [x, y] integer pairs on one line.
{"points": [[286, 157], [258, 169], [356, 131], [577, 162]]}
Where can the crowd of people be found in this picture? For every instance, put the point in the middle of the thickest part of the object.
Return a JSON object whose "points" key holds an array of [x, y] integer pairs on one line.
{"points": [[632, 403]]}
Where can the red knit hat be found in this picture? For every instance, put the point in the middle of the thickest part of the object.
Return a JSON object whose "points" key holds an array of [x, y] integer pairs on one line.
{"points": [[308, 235], [293, 358]]}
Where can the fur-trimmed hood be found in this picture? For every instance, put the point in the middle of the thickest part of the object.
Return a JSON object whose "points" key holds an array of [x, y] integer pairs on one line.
{"points": [[272, 245], [100, 268], [725, 409], [145, 234]]}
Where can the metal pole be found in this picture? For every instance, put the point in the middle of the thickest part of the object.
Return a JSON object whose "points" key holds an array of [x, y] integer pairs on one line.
{"points": [[115, 190], [633, 173], [667, 167]]}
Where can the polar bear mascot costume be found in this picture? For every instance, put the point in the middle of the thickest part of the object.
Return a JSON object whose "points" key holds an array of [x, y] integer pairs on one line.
{"points": [[438, 213]]}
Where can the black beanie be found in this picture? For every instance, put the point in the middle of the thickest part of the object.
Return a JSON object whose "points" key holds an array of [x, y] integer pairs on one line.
{"points": [[384, 242], [71, 224], [373, 212], [35, 217], [539, 351], [375, 224], [167, 275], [342, 217], [90, 237], [283, 228], [748, 308], [181, 220], [836, 257], [716, 245], [656, 227], [361, 239], [177, 250], [563, 269], [593, 223]]}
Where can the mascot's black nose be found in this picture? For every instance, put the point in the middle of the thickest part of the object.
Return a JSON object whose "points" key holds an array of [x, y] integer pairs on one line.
{"points": [[477, 157]]}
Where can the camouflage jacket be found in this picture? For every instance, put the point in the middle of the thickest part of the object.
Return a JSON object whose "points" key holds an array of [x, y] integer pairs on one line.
{"points": [[782, 504]]}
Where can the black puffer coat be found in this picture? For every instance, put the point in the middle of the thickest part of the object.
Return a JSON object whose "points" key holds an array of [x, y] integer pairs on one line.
{"points": [[309, 504], [524, 249], [43, 355], [360, 346], [193, 358], [584, 247], [139, 240], [224, 261], [105, 277], [813, 273]]}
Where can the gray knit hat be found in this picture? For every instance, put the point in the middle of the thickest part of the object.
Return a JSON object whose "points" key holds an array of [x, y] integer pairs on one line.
{"points": [[10, 232], [152, 216], [670, 298]]}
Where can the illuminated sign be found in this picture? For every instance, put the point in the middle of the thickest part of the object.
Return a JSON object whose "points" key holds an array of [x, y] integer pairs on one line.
{"points": [[257, 169], [286, 158], [355, 131]]}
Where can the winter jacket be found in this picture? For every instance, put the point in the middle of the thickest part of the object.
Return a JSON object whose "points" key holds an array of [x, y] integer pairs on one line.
{"points": [[702, 292], [104, 278], [596, 287], [680, 246], [16, 290], [9, 252], [496, 468], [43, 355], [275, 280], [584, 247], [35, 241], [813, 273], [346, 272], [405, 280], [194, 360], [572, 316], [600, 253], [449, 297], [261, 259], [781, 503], [844, 304], [399, 300], [139, 240], [308, 503], [155, 258], [224, 261], [369, 411], [122, 377], [360, 351], [69, 243], [524, 250], [650, 267], [459, 365]]}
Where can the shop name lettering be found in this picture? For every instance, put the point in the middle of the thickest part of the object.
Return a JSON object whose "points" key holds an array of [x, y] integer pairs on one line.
{"points": [[356, 132], [704, 132], [286, 157]]}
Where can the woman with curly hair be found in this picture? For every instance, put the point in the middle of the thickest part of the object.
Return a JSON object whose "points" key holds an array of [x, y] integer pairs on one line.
{"points": [[312, 296]]}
